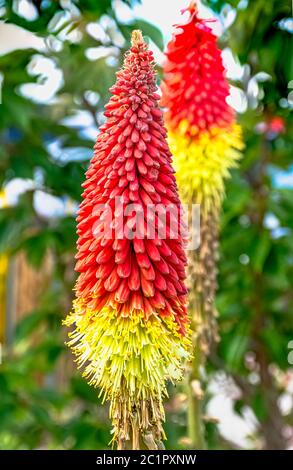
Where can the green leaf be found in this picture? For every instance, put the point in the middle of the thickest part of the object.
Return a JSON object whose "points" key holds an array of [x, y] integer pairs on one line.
{"points": [[28, 325], [260, 250]]}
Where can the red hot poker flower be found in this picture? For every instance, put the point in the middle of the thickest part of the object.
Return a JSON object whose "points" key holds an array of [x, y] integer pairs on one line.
{"points": [[130, 309], [206, 142], [197, 89]]}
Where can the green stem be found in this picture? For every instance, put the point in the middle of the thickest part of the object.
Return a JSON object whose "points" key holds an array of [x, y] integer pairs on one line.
{"points": [[195, 405]]}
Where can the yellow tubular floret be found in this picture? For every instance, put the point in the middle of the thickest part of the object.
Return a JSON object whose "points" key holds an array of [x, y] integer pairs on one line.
{"points": [[130, 359], [203, 162]]}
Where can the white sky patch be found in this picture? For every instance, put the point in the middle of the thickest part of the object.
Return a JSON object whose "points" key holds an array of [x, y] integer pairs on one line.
{"points": [[47, 205], [13, 37], [15, 188], [123, 11], [283, 179], [26, 9], [83, 121], [96, 31], [286, 403], [68, 154], [237, 99], [78, 119], [232, 427], [271, 222], [95, 53], [165, 14], [158, 54], [232, 65], [89, 133], [49, 80]]}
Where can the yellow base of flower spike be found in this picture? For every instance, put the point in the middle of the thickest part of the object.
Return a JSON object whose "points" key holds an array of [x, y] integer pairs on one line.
{"points": [[202, 162], [129, 359]]}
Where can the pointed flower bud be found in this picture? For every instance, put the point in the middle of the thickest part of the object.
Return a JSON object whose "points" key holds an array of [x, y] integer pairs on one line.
{"points": [[130, 322]]}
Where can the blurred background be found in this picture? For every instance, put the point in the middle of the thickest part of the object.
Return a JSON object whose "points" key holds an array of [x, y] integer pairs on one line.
{"points": [[57, 62]]}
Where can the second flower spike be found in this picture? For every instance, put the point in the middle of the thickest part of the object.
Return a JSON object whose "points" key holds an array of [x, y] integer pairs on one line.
{"points": [[206, 142]]}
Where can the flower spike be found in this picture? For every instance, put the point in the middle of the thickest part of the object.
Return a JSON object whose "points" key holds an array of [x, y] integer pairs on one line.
{"points": [[130, 322], [206, 144]]}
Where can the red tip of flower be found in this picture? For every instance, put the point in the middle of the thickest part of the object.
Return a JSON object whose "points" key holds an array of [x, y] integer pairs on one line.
{"points": [[132, 162], [195, 87], [192, 8]]}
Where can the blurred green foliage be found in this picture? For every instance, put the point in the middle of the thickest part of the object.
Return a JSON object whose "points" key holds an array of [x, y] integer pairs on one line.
{"points": [[44, 401]]}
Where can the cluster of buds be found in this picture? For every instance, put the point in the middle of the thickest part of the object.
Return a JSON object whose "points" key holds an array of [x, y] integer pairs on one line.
{"points": [[130, 321]]}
